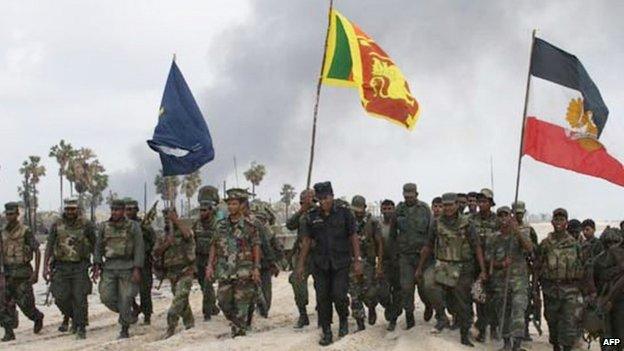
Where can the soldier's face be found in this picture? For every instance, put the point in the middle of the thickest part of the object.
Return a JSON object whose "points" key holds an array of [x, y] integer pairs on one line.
{"points": [[437, 209], [326, 202], [503, 219], [131, 212], [484, 204], [11, 217], [519, 216], [234, 207], [560, 223], [387, 210], [308, 197], [359, 211], [117, 213], [462, 202], [588, 232], [205, 212], [472, 203], [450, 209], [410, 198], [71, 212]]}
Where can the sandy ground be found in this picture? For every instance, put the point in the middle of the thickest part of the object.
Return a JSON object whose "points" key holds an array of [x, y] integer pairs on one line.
{"points": [[275, 333]]}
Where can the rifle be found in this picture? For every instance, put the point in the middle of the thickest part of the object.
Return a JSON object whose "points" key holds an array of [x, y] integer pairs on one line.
{"points": [[263, 306], [499, 330], [150, 215], [535, 302]]}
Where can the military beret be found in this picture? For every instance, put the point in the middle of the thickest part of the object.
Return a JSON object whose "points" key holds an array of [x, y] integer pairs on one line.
{"points": [[519, 206], [11, 207], [503, 209], [358, 201], [70, 203], [410, 189], [237, 193], [117, 204], [323, 189], [560, 212], [449, 198], [208, 192]]}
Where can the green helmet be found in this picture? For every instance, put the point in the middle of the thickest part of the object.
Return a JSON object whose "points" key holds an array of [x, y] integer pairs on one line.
{"points": [[208, 193], [611, 236]]}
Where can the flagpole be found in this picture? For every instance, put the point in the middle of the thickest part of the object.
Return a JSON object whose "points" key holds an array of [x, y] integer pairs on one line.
{"points": [[318, 96], [524, 116]]}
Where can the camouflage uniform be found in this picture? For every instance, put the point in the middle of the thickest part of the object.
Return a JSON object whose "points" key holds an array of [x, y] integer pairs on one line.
{"points": [[70, 245], [389, 289], [147, 279], [561, 273], [119, 249], [18, 245], [500, 247], [300, 288], [234, 243], [204, 233], [413, 227]]}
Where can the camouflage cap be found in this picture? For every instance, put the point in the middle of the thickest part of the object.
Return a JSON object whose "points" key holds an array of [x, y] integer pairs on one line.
{"points": [[130, 202], [488, 194], [560, 212], [206, 204], [358, 201], [208, 192], [70, 203], [11, 208], [323, 189], [518, 207], [449, 198], [118, 204], [410, 189], [237, 194], [503, 209]]}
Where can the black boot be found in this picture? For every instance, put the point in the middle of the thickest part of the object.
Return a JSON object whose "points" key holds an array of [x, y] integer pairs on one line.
{"points": [[481, 336], [527, 335], [441, 324], [556, 347], [81, 333], [64, 325], [8, 335], [327, 337], [506, 345], [454, 324], [124, 332], [494, 333], [409, 320], [38, 324], [517, 344], [147, 319], [303, 318], [391, 325], [343, 329], [372, 316], [428, 313], [360, 324], [465, 338]]}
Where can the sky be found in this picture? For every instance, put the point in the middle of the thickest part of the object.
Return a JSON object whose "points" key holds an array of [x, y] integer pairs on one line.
{"points": [[93, 73]]}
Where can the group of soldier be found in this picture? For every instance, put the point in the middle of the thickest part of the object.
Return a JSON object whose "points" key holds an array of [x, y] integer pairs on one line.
{"points": [[458, 254]]}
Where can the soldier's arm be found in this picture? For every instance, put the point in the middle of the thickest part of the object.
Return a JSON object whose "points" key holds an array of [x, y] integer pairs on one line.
{"points": [[306, 243], [379, 244], [427, 249], [256, 249], [293, 222], [478, 248], [34, 246], [139, 246], [50, 245], [97, 252], [525, 242], [184, 229], [351, 232]]}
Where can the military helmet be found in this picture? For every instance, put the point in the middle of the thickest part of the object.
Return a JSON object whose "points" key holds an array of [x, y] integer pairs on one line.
{"points": [[503, 209], [560, 212], [237, 193], [518, 207], [488, 194], [410, 189], [208, 193], [118, 204], [611, 236], [323, 189], [449, 198], [358, 201], [70, 202], [130, 202]]}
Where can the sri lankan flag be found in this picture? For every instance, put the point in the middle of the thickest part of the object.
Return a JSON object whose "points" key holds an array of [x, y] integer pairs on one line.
{"points": [[354, 60]]}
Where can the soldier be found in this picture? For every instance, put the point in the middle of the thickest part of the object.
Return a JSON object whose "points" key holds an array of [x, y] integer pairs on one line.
{"points": [[363, 290], [574, 229], [389, 290], [485, 224], [67, 261], [205, 229], [5, 318], [149, 239], [235, 262], [332, 227], [462, 202], [509, 275], [562, 274], [414, 223], [177, 250], [300, 287], [18, 245], [436, 207], [608, 272], [118, 258], [591, 246], [472, 202], [457, 247]]}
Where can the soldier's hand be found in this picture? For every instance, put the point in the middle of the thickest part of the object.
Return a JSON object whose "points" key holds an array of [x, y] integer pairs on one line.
{"points": [[357, 268], [275, 270], [95, 273], [299, 273], [482, 276], [34, 278], [418, 274], [46, 273], [379, 272], [255, 275], [209, 273], [136, 275]]}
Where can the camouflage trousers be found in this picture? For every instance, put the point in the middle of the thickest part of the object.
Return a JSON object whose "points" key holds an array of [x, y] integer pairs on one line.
{"points": [[515, 305], [486, 312], [235, 297], [209, 299], [563, 315], [266, 285], [145, 289], [435, 294], [457, 299], [19, 292], [615, 324], [363, 291], [389, 290], [117, 293], [300, 288], [180, 306], [407, 270], [70, 287]]}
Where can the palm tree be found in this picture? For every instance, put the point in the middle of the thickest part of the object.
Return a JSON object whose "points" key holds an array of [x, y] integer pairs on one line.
{"points": [[288, 194], [254, 175], [167, 188], [62, 152], [190, 184], [32, 171]]}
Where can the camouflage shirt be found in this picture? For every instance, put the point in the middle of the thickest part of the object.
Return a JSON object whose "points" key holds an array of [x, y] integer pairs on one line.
{"points": [[485, 226], [149, 235], [124, 235], [74, 243], [18, 246], [414, 225], [234, 243], [502, 246], [368, 231], [388, 236], [204, 233]]}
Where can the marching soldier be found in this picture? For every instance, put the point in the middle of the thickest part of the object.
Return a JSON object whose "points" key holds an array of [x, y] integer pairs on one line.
{"points": [[389, 285], [67, 261], [591, 246], [363, 290], [457, 247], [149, 239], [562, 275], [5, 318], [205, 228], [235, 262], [177, 250], [119, 257], [19, 245]]}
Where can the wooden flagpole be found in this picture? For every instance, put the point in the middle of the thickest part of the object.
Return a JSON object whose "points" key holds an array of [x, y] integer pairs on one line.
{"points": [[318, 96], [524, 116]]}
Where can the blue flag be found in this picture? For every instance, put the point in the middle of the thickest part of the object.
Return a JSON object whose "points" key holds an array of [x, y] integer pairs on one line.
{"points": [[181, 138]]}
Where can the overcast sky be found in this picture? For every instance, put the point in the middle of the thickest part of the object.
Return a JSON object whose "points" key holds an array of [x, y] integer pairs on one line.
{"points": [[92, 73]]}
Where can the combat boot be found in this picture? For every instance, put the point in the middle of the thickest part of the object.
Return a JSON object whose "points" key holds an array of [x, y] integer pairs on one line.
{"points": [[207, 317], [391, 325], [372, 316], [409, 320], [147, 319], [64, 325], [440, 325], [170, 331], [527, 335], [8, 335], [556, 347], [303, 318], [38, 324], [81, 333], [343, 328], [124, 333], [360, 324], [465, 338], [327, 337], [428, 313], [494, 333], [517, 344], [481, 336], [214, 310], [506, 345]]}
